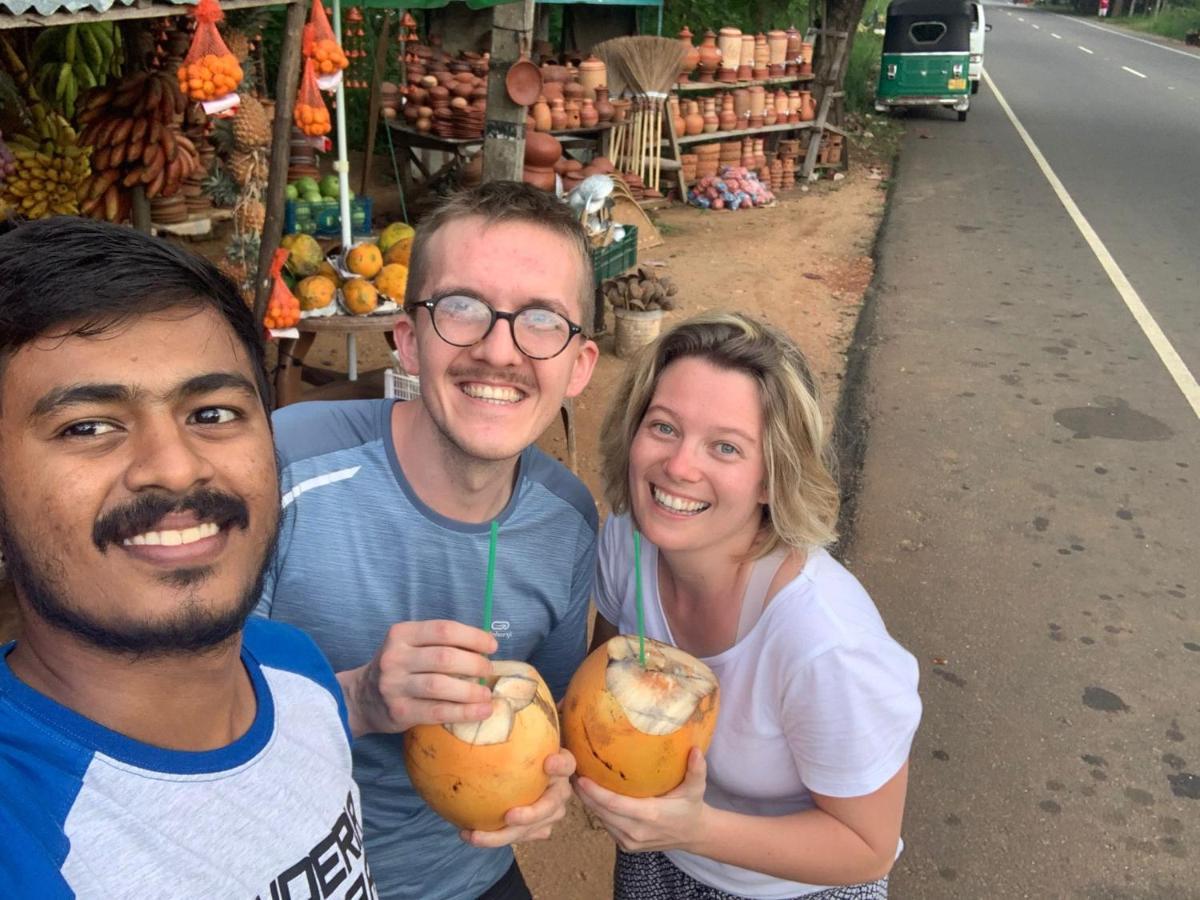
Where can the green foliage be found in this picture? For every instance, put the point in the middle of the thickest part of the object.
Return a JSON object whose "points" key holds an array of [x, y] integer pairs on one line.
{"points": [[862, 73], [1172, 23], [751, 16]]}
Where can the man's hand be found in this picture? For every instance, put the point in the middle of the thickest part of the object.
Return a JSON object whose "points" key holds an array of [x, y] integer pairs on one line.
{"points": [[533, 822], [415, 678], [674, 821]]}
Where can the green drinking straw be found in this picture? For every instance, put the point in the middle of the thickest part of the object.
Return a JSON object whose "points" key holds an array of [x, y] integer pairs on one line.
{"points": [[641, 616], [491, 579]]}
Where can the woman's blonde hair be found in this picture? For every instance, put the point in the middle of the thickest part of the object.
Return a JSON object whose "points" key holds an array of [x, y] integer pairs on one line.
{"points": [[802, 493]]}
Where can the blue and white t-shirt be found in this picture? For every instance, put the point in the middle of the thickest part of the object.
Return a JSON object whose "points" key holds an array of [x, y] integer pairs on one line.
{"points": [[87, 812]]}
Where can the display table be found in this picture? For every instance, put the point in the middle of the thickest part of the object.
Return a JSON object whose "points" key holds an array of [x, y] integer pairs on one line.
{"points": [[293, 350]]}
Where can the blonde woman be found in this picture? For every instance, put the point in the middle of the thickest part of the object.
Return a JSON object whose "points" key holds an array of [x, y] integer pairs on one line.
{"points": [[715, 450]]}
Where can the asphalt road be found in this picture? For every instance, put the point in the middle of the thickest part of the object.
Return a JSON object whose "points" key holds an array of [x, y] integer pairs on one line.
{"points": [[1028, 516]]}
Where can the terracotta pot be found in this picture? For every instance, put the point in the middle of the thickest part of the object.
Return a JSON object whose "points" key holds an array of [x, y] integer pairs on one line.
{"points": [[777, 47], [781, 105], [620, 110], [806, 52], [711, 122], [691, 56], [572, 109], [573, 90], [541, 115], [757, 100], [727, 118], [588, 117], [730, 42], [539, 178], [542, 150], [805, 69], [762, 52], [770, 117], [558, 114], [694, 120], [741, 103], [710, 56], [793, 42], [746, 59], [677, 116], [604, 109], [592, 74], [808, 106]]}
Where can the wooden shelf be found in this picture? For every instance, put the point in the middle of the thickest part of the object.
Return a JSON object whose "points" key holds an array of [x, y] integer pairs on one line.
{"points": [[742, 132], [690, 87]]}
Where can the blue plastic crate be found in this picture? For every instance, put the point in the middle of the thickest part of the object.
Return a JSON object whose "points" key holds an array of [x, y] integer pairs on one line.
{"points": [[325, 219]]}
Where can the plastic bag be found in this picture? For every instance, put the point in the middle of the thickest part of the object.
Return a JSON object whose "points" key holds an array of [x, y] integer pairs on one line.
{"points": [[321, 45], [310, 114], [283, 309], [209, 71]]}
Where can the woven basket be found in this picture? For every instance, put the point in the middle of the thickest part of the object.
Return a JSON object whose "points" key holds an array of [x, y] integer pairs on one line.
{"points": [[635, 329]]}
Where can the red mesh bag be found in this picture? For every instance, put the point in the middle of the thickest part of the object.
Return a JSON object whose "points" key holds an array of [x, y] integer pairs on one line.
{"points": [[209, 70], [321, 45], [310, 114], [283, 309]]}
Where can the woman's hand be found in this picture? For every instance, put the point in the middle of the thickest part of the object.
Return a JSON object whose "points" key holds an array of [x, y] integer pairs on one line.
{"points": [[674, 821], [533, 822]]}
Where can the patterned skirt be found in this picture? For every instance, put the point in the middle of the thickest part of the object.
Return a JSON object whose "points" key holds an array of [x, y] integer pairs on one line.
{"points": [[651, 876]]}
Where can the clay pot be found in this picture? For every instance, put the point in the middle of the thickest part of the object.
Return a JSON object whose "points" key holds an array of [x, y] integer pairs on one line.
{"points": [[592, 74], [691, 56], [603, 165], [710, 56], [604, 109], [769, 115], [730, 42], [558, 114], [588, 117], [539, 178], [806, 68], [762, 52], [573, 90], [552, 90], [571, 107], [793, 42], [541, 115], [676, 115], [777, 47], [523, 82], [781, 105], [727, 118], [808, 106], [745, 69], [542, 150], [620, 110], [711, 122], [694, 120], [806, 52], [757, 100]]}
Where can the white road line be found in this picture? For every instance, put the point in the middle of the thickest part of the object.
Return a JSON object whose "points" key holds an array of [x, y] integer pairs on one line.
{"points": [[1086, 50], [1113, 31], [1057, 37], [1133, 71], [1037, 27], [1174, 364], [1020, 18]]}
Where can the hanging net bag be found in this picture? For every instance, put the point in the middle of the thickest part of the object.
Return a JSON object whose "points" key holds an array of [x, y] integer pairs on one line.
{"points": [[210, 73], [310, 115], [327, 55], [283, 309]]}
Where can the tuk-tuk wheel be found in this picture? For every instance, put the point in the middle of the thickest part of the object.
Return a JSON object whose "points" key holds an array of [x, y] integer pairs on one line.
{"points": [[975, 87], [962, 115]]}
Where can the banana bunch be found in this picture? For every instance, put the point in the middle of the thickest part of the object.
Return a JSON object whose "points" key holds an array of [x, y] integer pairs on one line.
{"points": [[71, 59], [134, 132], [50, 167]]}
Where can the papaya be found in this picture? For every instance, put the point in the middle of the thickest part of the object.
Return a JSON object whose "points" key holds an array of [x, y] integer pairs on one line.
{"points": [[364, 260], [359, 296], [315, 292], [391, 281]]}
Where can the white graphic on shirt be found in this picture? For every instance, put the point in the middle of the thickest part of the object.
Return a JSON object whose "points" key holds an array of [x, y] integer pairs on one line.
{"points": [[319, 481]]}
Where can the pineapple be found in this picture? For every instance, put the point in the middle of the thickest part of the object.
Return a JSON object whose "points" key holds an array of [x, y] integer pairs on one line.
{"points": [[249, 216], [251, 127], [247, 167], [221, 188]]}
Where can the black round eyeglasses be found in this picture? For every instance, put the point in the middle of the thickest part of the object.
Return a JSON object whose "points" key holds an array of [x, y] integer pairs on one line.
{"points": [[463, 321]]}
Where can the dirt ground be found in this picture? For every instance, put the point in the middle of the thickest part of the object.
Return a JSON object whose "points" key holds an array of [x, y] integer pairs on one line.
{"points": [[804, 265]]}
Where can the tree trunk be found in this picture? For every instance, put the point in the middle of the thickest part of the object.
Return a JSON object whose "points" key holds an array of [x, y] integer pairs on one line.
{"points": [[843, 16]]}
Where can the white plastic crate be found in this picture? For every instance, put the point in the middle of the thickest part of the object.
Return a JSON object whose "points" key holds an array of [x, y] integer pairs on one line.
{"points": [[400, 386]]}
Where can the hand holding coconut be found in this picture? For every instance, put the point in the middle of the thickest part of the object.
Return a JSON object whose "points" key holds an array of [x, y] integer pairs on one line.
{"points": [[424, 673]]}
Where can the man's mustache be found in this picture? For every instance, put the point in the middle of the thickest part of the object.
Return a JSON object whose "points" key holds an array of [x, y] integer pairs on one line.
{"points": [[142, 514]]}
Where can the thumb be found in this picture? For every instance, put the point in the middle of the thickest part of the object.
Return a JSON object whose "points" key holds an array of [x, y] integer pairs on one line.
{"points": [[697, 768]]}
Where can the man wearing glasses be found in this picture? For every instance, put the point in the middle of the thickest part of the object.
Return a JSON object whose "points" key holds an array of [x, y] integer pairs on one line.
{"points": [[389, 511]]}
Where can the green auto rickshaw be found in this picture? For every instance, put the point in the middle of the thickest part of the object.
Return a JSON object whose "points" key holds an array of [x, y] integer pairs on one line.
{"points": [[926, 56]]}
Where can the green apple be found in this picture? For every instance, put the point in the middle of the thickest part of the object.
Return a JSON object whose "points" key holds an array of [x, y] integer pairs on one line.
{"points": [[291, 192]]}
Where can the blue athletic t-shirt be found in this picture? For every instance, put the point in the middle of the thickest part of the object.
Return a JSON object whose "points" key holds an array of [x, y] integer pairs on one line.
{"points": [[87, 812], [359, 551]]}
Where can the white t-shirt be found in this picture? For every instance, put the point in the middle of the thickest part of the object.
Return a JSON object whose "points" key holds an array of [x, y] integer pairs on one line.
{"points": [[816, 697]]}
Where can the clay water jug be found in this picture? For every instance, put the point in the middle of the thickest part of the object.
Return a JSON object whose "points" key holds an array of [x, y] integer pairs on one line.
{"points": [[806, 51], [730, 42], [691, 57], [781, 105], [592, 74], [727, 118], [793, 42], [604, 108], [571, 107], [588, 117], [711, 122], [710, 56], [808, 106], [745, 69], [541, 115], [777, 51], [676, 116], [741, 103], [762, 53], [770, 117], [694, 120], [558, 114]]}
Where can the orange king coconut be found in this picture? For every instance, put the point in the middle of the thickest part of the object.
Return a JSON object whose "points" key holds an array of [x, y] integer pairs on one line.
{"points": [[631, 728], [472, 773]]}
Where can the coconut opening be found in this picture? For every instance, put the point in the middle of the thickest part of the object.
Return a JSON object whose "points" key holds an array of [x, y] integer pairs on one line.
{"points": [[512, 690], [662, 697]]}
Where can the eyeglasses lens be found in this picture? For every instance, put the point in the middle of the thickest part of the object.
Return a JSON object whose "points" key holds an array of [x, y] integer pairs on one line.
{"points": [[463, 321]]}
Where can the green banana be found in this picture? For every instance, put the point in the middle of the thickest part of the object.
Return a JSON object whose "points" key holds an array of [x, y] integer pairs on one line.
{"points": [[46, 41], [85, 75], [71, 45], [92, 51], [65, 76]]}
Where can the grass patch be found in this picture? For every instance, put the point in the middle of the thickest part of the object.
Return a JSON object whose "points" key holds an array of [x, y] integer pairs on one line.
{"points": [[862, 73], [1172, 23]]}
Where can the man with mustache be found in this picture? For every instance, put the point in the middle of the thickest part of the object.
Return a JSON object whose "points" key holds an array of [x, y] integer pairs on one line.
{"points": [[152, 743], [390, 509]]}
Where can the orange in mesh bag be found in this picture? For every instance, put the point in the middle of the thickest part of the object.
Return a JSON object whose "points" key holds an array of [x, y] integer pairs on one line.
{"points": [[283, 309], [209, 71], [310, 114], [320, 44]]}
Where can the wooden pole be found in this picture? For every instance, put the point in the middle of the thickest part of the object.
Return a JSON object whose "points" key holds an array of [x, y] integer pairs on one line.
{"points": [[285, 99], [504, 131], [381, 49]]}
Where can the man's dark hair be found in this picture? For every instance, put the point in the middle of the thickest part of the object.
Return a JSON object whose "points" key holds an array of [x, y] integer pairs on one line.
{"points": [[72, 277]]}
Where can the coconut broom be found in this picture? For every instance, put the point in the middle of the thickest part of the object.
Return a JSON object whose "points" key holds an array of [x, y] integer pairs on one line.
{"points": [[618, 86], [653, 65]]}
